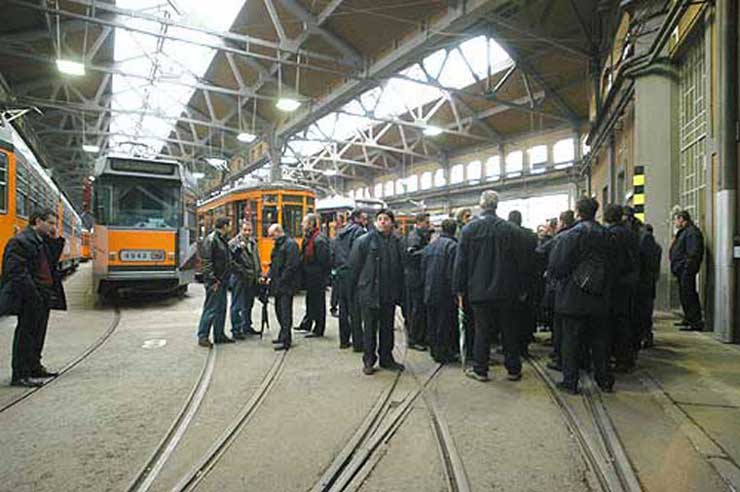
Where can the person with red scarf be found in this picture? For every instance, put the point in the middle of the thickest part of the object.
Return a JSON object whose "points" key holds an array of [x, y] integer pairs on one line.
{"points": [[316, 266]]}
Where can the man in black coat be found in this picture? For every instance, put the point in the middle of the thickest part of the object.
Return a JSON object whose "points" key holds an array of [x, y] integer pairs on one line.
{"points": [[487, 267], [437, 266], [525, 305], [686, 255], [31, 286], [625, 274], [350, 323], [284, 278], [217, 267], [579, 262], [377, 275], [650, 255], [316, 268], [416, 239]]}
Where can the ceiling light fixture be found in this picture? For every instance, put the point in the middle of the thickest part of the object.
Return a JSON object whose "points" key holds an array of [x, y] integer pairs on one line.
{"points": [[246, 137], [70, 67], [287, 104], [216, 162], [432, 131], [91, 149]]}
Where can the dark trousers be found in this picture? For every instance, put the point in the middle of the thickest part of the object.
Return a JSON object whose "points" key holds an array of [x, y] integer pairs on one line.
{"points": [[28, 332], [242, 301], [417, 324], [689, 298], [469, 327], [334, 300], [443, 331], [591, 334], [489, 319], [214, 313], [524, 316], [284, 313], [315, 310], [644, 306], [378, 330], [557, 339], [350, 320]]}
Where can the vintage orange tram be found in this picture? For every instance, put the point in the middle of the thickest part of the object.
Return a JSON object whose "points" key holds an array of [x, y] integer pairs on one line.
{"points": [[263, 204]]}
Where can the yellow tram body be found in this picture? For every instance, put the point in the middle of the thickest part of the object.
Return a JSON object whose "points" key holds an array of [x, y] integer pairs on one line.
{"points": [[263, 204]]}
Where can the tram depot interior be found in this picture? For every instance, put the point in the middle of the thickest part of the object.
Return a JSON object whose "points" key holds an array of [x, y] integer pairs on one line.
{"points": [[141, 122]]}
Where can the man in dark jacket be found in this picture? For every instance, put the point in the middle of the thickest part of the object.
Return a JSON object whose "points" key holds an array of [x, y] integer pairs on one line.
{"points": [[31, 285], [579, 263], [650, 255], [625, 268], [284, 278], [437, 266], [487, 267], [377, 275], [525, 305], [316, 268], [217, 267], [416, 239], [350, 323], [244, 280], [686, 255]]}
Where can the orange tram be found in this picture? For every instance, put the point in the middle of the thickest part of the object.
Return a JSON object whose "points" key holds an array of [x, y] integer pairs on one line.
{"points": [[262, 204], [25, 186], [144, 234]]}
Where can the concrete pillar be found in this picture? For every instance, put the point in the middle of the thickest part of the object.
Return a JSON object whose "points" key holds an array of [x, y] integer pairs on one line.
{"points": [[611, 170], [275, 152], [656, 148]]}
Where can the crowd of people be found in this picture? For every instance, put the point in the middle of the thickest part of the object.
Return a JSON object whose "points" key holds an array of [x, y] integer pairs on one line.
{"points": [[478, 281]]}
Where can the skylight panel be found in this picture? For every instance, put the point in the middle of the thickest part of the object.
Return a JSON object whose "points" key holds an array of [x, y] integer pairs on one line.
{"points": [[476, 52], [456, 73], [433, 63]]}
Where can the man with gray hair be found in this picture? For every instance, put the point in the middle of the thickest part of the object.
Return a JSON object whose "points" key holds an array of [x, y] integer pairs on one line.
{"points": [[285, 269], [316, 266], [487, 267]]}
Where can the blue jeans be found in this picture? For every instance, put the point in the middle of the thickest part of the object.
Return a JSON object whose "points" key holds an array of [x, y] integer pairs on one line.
{"points": [[214, 313], [242, 300]]}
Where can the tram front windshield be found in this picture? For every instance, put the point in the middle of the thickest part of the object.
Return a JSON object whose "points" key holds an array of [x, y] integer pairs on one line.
{"points": [[138, 203]]}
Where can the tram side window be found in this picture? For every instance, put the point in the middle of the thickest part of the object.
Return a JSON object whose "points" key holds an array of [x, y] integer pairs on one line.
{"points": [[292, 216], [3, 182], [35, 194], [269, 217], [21, 190], [246, 209]]}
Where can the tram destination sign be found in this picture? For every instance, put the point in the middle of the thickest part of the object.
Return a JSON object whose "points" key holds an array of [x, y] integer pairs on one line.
{"points": [[144, 167]]}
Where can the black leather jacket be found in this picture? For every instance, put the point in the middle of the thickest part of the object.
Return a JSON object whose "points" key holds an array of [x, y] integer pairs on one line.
{"points": [[376, 269], [687, 251], [285, 267], [216, 258]]}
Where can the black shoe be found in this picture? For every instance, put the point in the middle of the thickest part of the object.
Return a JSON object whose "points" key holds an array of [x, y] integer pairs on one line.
{"points": [[204, 342], [691, 328], [251, 331], [345, 345], [393, 366], [566, 388], [334, 312], [418, 346], [470, 372], [313, 335], [649, 342], [43, 373], [238, 336], [368, 370], [280, 347], [225, 340], [683, 322], [276, 341], [607, 388], [26, 382], [514, 377], [300, 328], [554, 366]]}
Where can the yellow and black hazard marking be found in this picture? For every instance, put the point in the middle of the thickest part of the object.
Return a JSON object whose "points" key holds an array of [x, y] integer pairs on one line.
{"points": [[638, 194]]}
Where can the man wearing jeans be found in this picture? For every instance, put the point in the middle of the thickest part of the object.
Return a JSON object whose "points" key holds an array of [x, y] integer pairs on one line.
{"points": [[216, 261], [247, 271]]}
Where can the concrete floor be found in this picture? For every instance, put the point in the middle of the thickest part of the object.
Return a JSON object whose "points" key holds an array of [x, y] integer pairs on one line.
{"points": [[95, 427]]}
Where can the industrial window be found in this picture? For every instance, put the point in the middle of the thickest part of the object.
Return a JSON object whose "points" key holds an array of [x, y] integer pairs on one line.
{"points": [[378, 190], [426, 180], [693, 132], [564, 152], [537, 159], [621, 191], [3, 182], [400, 186], [514, 162], [351, 194], [457, 174], [21, 189], [412, 183], [292, 217], [388, 188], [474, 171], [493, 168], [269, 217], [439, 178]]}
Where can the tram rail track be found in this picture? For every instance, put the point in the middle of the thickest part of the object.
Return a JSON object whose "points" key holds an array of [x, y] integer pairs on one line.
{"points": [[604, 453], [72, 363]]}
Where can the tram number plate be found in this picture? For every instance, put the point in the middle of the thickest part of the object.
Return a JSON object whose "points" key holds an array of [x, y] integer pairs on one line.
{"points": [[142, 255]]}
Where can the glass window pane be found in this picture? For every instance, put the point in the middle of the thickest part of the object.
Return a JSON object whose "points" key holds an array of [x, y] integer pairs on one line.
{"points": [[493, 167], [388, 188], [564, 151], [3, 182], [439, 178], [537, 154], [400, 186], [426, 180], [292, 217], [378, 190], [269, 217], [412, 183], [514, 162], [474, 171], [457, 174]]}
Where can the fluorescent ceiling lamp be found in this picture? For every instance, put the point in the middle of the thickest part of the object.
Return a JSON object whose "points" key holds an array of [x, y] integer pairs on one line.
{"points": [[246, 137], [92, 149], [432, 131], [199, 175], [215, 162], [287, 104], [70, 67], [330, 172]]}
